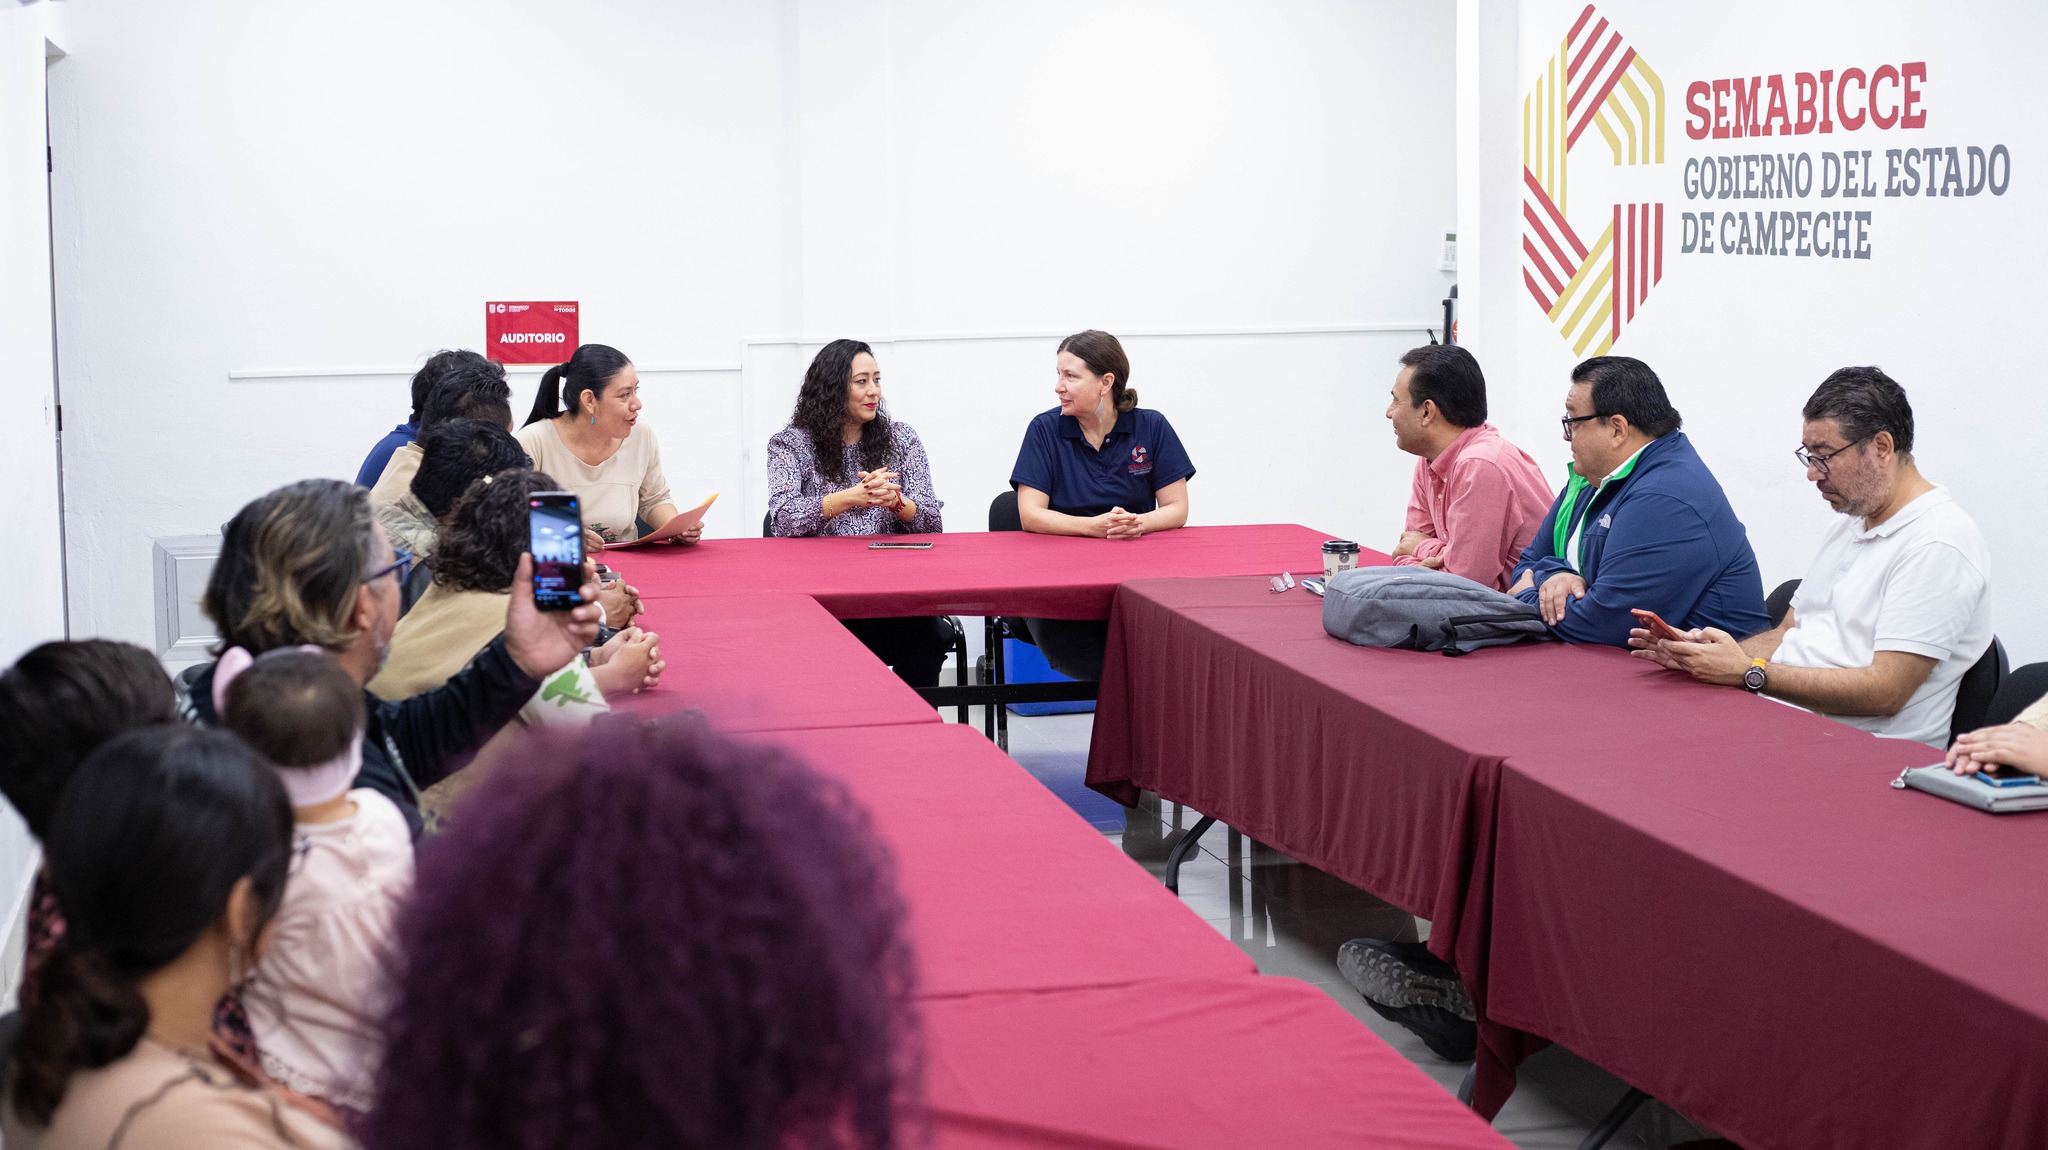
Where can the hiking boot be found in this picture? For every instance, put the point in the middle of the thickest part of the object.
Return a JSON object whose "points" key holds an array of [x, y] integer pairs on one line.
{"points": [[1403, 974]]}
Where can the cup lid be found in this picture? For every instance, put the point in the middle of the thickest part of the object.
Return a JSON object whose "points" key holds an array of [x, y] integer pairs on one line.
{"points": [[1340, 545]]}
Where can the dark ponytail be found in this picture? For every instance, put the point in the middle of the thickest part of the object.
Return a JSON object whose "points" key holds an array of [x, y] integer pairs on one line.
{"points": [[1105, 356], [592, 368], [147, 843], [85, 1015]]}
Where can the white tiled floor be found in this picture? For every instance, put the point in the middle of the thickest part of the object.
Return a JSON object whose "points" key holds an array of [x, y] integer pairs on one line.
{"points": [[1291, 918]]}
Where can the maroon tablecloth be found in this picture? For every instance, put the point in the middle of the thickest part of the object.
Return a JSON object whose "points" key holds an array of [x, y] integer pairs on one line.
{"points": [[1775, 941], [967, 573], [1386, 769], [770, 661], [1008, 888], [1183, 1065]]}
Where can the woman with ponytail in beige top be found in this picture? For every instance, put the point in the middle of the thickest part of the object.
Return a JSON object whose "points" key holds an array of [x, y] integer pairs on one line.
{"points": [[169, 854], [584, 431]]}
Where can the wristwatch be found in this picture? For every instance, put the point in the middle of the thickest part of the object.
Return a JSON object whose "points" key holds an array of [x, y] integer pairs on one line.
{"points": [[1754, 679]]}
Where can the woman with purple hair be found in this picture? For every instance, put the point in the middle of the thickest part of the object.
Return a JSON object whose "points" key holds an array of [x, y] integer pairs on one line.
{"points": [[646, 935]]}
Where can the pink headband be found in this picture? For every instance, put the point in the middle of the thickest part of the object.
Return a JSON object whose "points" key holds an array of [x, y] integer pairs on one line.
{"points": [[307, 786]]}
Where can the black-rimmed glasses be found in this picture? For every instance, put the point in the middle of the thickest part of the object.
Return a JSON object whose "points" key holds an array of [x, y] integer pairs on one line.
{"points": [[1569, 420], [400, 566], [1820, 462]]}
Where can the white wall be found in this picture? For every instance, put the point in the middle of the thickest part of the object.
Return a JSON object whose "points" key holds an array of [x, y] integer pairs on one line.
{"points": [[28, 468], [1947, 304], [256, 188]]}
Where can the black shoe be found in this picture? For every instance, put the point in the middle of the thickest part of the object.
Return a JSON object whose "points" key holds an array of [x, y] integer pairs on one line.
{"points": [[1404, 983], [1402, 974], [1448, 1037]]}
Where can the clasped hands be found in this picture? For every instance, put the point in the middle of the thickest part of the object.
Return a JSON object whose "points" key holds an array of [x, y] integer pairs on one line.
{"points": [[1116, 523], [877, 488]]}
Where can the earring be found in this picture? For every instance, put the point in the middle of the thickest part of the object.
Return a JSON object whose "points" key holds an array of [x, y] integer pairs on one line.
{"points": [[593, 421]]}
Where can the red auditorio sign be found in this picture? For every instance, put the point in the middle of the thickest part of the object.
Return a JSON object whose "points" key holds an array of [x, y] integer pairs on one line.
{"points": [[532, 331]]}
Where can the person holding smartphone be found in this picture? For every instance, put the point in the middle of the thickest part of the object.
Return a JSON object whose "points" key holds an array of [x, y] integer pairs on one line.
{"points": [[1896, 607], [585, 430], [1098, 465], [843, 467], [307, 564]]}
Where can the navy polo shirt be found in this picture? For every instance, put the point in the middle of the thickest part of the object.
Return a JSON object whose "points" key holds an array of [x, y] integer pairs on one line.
{"points": [[1140, 455]]}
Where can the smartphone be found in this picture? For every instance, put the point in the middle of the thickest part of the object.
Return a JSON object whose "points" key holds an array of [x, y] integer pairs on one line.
{"points": [[1656, 626], [899, 547], [554, 537], [2005, 776]]}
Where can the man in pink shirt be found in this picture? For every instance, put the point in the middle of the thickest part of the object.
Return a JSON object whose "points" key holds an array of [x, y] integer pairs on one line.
{"points": [[1477, 498]]}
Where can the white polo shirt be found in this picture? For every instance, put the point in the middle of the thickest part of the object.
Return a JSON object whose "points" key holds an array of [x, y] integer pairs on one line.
{"points": [[1918, 583]]}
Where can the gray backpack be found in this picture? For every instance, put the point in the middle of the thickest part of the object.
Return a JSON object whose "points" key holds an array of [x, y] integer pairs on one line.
{"points": [[1423, 610]]}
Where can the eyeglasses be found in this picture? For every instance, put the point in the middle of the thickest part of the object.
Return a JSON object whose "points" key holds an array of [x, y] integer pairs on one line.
{"points": [[1568, 420], [401, 566], [1820, 462]]}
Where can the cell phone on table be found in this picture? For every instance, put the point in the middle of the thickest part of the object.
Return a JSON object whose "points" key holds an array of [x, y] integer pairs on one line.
{"points": [[2005, 776], [554, 537], [899, 547], [1656, 626]]}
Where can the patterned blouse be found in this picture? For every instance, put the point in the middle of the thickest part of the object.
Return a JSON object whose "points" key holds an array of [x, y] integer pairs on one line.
{"points": [[796, 492]]}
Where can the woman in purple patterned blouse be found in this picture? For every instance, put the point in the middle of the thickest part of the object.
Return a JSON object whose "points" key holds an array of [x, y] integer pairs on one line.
{"points": [[843, 467]]}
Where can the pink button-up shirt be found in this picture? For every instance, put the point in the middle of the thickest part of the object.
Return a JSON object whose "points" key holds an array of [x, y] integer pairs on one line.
{"points": [[1479, 502]]}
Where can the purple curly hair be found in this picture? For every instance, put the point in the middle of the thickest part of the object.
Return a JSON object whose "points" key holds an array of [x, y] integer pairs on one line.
{"points": [[647, 935]]}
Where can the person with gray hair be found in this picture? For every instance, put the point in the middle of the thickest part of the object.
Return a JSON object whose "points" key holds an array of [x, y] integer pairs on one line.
{"points": [[307, 565], [1896, 606]]}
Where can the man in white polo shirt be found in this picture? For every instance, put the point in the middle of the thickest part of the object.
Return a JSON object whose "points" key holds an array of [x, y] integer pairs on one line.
{"points": [[1896, 606]]}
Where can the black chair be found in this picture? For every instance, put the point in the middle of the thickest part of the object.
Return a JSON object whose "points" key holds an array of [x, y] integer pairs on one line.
{"points": [[1780, 601], [2023, 687], [416, 585], [1002, 516], [10, 1028], [1980, 685], [958, 633]]}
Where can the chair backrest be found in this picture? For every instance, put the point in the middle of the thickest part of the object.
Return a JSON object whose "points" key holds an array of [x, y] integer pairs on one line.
{"points": [[1003, 514], [10, 1028], [767, 525], [2023, 687], [1780, 601], [416, 585], [1979, 687]]}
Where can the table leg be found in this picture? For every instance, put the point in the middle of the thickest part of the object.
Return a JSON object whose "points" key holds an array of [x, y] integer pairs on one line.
{"points": [[1182, 849], [1615, 1120]]}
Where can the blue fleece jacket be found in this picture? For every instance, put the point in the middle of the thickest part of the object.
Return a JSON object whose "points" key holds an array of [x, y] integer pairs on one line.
{"points": [[1662, 537]]}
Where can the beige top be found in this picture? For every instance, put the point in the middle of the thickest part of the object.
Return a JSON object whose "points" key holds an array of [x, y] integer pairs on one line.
{"points": [[437, 638], [614, 493], [397, 477], [2036, 714], [317, 993], [157, 1099]]}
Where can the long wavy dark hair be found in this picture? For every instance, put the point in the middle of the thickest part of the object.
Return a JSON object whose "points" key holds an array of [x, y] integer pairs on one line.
{"points": [[478, 548], [645, 934], [821, 412]]}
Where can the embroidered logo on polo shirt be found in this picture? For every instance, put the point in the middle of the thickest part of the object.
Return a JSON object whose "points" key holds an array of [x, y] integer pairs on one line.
{"points": [[1141, 461]]}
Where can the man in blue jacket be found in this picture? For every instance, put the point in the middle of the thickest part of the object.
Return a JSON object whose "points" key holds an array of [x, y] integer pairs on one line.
{"points": [[1641, 522]]}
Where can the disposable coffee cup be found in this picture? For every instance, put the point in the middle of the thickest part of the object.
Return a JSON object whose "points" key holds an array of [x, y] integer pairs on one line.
{"points": [[1339, 555]]}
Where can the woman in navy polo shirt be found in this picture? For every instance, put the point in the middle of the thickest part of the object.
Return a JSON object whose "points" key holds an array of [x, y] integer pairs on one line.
{"points": [[1097, 465]]}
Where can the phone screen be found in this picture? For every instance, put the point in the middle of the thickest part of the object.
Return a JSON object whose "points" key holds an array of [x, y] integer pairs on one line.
{"points": [[2005, 776], [554, 529]]}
